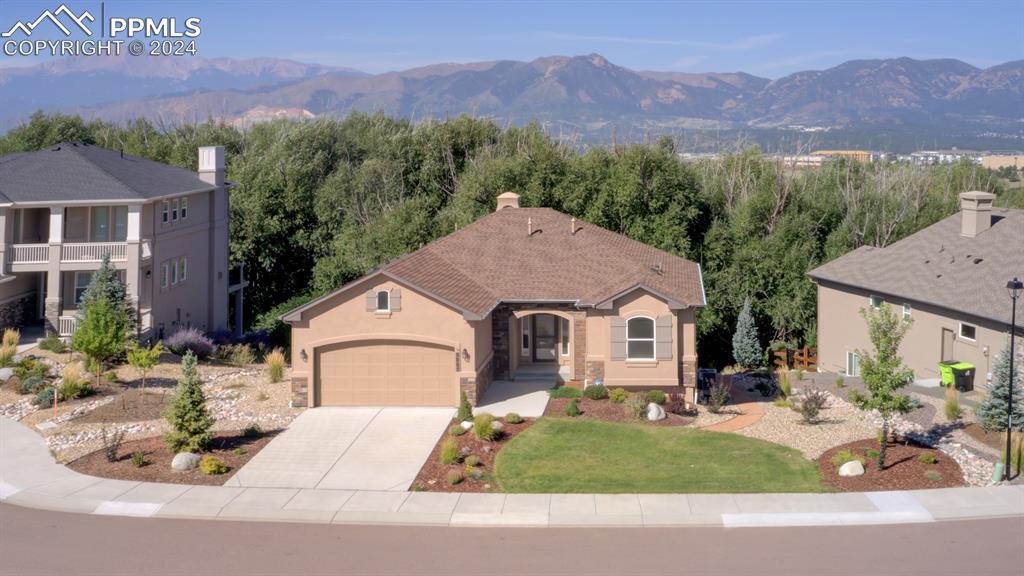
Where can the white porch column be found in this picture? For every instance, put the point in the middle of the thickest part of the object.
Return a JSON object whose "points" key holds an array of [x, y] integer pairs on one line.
{"points": [[53, 284], [5, 233], [134, 257]]}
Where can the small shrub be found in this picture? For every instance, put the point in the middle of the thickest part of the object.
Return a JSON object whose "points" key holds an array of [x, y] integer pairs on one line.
{"points": [[74, 389], [212, 466], [7, 354], [800, 375], [449, 452], [656, 396], [138, 459], [44, 398], [262, 396], [782, 403], [927, 458], [597, 392], [31, 368], [513, 418], [720, 394], [932, 476], [190, 340], [111, 377], [456, 430], [454, 477], [565, 392], [31, 385], [635, 406], [840, 381], [275, 365], [844, 456], [871, 453], [483, 427], [676, 404], [238, 451], [53, 343], [237, 354], [253, 430], [572, 409], [465, 413], [472, 460], [618, 395], [952, 406], [111, 442], [810, 405]]}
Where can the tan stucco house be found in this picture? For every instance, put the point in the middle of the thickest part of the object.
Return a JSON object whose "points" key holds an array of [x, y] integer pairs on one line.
{"points": [[520, 287], [165, 228], [950, 278]]}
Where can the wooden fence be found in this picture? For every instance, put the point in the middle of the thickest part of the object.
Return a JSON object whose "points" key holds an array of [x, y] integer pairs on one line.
{"points": [[800, 359]]}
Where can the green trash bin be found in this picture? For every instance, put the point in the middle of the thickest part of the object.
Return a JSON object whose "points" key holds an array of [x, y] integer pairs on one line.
{"points": [[946, 372], [963, 375]]}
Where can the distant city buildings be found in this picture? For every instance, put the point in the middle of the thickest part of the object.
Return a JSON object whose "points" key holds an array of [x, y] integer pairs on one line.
{"points": [[816, 159]]}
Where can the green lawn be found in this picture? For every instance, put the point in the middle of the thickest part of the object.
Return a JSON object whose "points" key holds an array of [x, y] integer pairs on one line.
{"points": [[558, 455]]}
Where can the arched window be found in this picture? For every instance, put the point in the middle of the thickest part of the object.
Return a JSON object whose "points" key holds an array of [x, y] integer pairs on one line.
{"points": [[640, 338], [383, 301]]}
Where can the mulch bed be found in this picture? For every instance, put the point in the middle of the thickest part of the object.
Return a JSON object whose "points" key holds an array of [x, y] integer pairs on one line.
{"points": [[903, 471], [433, 476], [608, 411], [131, 406], [158, 460]]}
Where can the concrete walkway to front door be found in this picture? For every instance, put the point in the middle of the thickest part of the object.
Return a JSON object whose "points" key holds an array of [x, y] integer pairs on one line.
{"points": [[348, 448], [526, 395]]}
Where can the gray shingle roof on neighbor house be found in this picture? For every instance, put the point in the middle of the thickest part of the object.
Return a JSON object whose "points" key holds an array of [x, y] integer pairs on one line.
{"points": [[939, 266], [74, 172]]}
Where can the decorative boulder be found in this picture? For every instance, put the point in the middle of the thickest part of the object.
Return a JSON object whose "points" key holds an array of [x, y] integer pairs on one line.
{"points": [[466, 425], [185, 461], [497, 426], [655, 412], [6, 373], [851, 468]]}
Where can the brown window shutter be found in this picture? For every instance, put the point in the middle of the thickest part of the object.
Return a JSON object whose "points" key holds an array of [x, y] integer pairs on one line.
{"points": [[396, 299], [663, 337], [371, 301], [618, 333]]}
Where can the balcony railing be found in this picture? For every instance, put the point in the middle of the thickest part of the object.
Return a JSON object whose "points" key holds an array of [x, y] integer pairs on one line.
{"points": [[93, 251], [67, 325], [28, 253]]}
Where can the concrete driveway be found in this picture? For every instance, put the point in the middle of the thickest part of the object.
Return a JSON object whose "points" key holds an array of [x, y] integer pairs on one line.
{"points": [[348, 449]]}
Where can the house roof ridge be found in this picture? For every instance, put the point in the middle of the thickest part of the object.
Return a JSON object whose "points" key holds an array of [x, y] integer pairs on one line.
{"points": [[74, 147]]}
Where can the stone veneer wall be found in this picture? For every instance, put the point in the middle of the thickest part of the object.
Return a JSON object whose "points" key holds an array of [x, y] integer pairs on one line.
{"points": [[500, 321], [579, 345], [17, 312], [300, 392], [474, 387], [688, 379]]}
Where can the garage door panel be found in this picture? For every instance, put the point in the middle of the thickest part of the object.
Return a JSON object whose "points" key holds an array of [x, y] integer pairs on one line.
{"points": [[386, 373]]}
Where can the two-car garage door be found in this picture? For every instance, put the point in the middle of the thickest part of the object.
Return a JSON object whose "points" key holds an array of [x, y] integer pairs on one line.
{"points": [[385, 373]]}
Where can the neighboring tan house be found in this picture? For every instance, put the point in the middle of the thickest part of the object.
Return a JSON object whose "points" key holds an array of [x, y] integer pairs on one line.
{"points": [[950, 278], [165, 228], [519, 287]]}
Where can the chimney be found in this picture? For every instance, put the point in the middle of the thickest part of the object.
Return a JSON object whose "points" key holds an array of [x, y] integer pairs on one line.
{"points": [[975, 213], [508, 200], [211, 165]]}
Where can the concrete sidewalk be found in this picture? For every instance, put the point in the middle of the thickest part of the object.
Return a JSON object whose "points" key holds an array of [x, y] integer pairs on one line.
{"points": [[30, 478]]}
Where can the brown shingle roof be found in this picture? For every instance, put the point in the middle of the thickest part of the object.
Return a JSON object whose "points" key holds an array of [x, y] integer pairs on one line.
{"points": [[939, 266], [495, 260]]}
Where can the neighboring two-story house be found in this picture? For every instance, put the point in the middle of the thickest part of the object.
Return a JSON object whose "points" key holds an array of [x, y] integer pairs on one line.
{"points": [[949, 278], [165, 228]]}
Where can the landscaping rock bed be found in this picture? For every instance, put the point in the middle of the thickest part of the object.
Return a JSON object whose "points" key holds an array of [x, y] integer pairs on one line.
{"points": [[904, 470], [158, 460], [839, 422], [608, 411], [433, 476]]}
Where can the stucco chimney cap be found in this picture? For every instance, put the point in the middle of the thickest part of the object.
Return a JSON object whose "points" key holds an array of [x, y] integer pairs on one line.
{"points": [[507, 200]]}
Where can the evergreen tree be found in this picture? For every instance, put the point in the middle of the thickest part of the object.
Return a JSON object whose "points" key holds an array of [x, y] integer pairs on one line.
{"points": [[189, 419], [993, 408], [883, 372], [106, 284], [101, 334], [746, 348]]}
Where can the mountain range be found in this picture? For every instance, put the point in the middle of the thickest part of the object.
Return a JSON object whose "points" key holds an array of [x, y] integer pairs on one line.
{"points": [[582, 94]]}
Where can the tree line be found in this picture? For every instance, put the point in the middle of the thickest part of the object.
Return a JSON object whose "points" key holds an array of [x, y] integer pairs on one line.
{"points": [[319, 203]]}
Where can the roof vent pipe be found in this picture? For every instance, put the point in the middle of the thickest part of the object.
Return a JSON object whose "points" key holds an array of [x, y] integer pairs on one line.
{"points": [[572, 226], [529, 226]]}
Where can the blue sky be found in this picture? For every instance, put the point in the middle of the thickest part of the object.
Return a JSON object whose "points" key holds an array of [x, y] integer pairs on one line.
{"points": [[765, 38]]}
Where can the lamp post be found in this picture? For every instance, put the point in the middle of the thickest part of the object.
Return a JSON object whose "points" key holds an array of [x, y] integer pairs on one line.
{"points": [[1014, 287]]}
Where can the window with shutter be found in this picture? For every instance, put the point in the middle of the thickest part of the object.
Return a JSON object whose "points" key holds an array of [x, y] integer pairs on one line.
{"points": [[640, 338], [663, 337], [396, 299], [618, 338]]}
